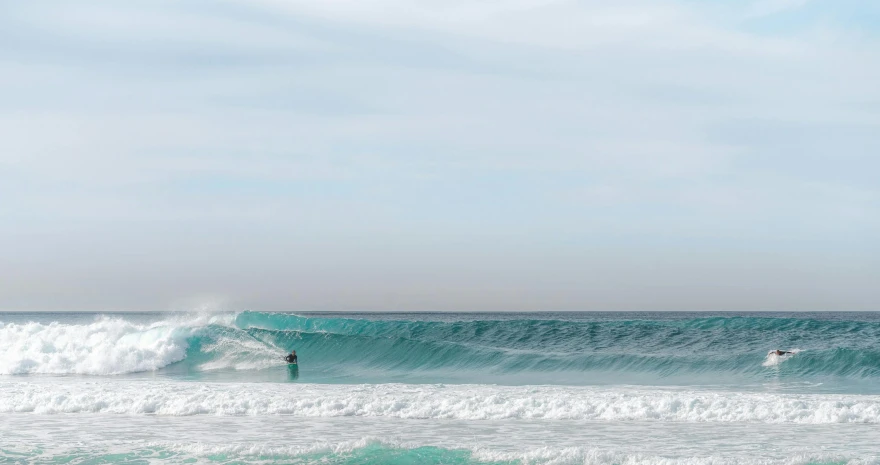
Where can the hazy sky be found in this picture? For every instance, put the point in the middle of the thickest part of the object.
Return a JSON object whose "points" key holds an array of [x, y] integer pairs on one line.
{"points": [[440, 155]]}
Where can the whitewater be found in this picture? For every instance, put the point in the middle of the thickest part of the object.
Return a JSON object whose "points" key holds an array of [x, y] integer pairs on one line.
{"points": [[530, 388]]}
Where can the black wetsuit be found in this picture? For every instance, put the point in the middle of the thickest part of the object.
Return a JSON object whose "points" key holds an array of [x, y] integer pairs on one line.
{"points": [[290, 358]]}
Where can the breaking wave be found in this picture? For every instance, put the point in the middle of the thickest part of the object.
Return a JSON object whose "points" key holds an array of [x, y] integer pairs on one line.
{"points": [[341, 349]]}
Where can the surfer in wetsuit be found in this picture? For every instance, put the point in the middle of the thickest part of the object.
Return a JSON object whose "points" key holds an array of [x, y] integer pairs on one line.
{"points": [[780, 352], [291, 358]]}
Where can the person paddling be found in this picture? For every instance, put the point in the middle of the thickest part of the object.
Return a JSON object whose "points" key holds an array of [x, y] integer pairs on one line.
{"points": [[780, 352], [291, 358]]}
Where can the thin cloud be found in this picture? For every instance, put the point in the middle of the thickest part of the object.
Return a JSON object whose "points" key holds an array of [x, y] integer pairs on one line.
{"points": [[446, 155]]}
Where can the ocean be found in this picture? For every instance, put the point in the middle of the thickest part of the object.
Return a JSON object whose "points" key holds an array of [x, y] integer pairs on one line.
{"points": [[440, 388]]}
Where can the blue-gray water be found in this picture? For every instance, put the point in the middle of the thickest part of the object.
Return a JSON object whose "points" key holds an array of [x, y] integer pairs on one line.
{"points": [[440, 388]]}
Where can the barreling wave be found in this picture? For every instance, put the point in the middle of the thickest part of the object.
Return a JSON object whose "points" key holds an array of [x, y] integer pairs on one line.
{"points": [[664, 347], [574, 350]]}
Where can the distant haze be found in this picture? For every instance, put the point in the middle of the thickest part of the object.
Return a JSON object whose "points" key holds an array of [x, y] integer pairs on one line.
{"points": [[439, 155]]}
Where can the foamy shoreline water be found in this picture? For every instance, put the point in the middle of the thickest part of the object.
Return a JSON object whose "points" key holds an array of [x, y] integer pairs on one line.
{"points": [[470, 402], [288, 439]]}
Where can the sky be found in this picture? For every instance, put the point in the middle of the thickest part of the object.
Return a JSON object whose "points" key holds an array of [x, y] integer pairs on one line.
{"points": [[439, 155]]}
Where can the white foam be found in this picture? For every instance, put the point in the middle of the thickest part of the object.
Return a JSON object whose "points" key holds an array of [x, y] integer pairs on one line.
{"points": [[544, 455], [104, 347], [326, 452], [239, 354], [773, 360], [260, 449], [596, 456], [468, 402], [107, 346]]}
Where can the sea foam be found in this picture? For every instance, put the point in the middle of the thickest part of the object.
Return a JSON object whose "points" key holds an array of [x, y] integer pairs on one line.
{"points": [[360, 451], [106, 346], [467, 402], [384, 450], [773, 360]]}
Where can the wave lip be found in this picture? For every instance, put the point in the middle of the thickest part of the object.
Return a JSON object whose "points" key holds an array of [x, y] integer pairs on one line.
{"points": [[465, 402]]}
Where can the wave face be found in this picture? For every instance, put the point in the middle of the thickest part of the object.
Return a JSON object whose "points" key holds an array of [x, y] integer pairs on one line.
{"points": [[562, 348]]}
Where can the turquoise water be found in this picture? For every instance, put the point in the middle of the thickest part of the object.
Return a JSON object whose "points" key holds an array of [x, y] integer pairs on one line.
{"points": [[440, 388]]}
